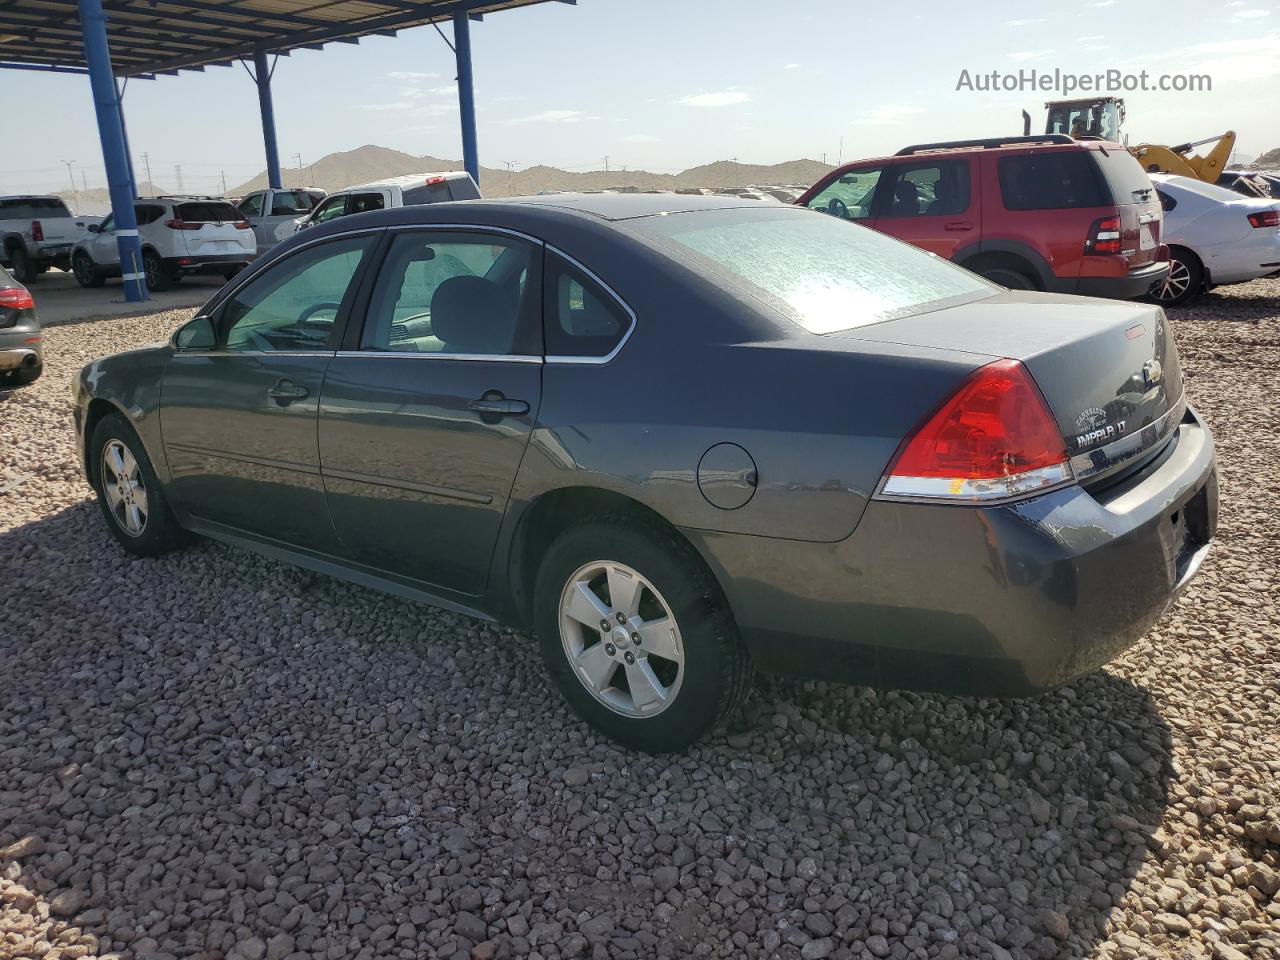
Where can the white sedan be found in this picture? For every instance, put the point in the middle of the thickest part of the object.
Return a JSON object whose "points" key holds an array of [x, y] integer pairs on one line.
{"points": [[1215, 236]]}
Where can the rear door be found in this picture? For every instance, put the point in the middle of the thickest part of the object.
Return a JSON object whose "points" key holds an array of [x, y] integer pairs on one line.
{"points": [[426, 415], [213, 228], [933, 204], [239, 420]]}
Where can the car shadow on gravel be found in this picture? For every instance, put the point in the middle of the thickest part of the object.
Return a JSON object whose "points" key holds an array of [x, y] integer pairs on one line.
{"points": [[224, 756]]}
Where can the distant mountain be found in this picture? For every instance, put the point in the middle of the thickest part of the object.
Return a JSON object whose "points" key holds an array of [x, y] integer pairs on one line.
{"points": [[1268, 161], [371, 162]]}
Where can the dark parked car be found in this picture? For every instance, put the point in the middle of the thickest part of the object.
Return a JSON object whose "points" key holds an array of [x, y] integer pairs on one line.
{"points": [[678, 437], [21, 359]]}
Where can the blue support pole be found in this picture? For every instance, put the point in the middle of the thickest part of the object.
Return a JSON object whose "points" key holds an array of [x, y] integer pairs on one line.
{"points": [[466, 93], [124, 132], [262, 76], [97, 55]]}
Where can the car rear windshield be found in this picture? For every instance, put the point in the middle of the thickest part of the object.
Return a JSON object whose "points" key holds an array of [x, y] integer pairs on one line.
{"points": [[291, 203], [1058, 180], [207, 211], [33, 208], [437, 192], [1124, 174], [823, 273]]}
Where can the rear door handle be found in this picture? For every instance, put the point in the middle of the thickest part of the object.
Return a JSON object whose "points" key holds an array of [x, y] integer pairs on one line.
{"points": [[285, 391], [956, 225], [493, 403]]}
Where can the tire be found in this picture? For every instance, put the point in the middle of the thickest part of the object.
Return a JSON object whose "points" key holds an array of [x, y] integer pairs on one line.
{"points": [[703, 669], [116, 451], [159, 277], [25, 270], [1185, 279], [231, 274], [1008, 277], [22, 376], [85, 272]]}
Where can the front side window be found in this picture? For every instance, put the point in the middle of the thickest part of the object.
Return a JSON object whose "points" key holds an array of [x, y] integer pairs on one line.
{"points": [[108, 223], [936, 189], [454, 293], [292, 306], [580, 318], [824, 275], [849, 195], [331, 209], [251, 206]]}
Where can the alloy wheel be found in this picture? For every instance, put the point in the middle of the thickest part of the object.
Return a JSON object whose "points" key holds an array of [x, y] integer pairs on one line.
{"points": [[1175, 284], [123, 487], [83, 270], [621, 639]]}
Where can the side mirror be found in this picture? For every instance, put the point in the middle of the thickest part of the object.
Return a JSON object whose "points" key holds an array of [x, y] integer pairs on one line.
{"points": [[196, 334], [94, 227]]}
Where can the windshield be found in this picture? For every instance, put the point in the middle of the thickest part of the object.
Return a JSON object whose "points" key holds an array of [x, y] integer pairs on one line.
{"points": [[823, 273]]}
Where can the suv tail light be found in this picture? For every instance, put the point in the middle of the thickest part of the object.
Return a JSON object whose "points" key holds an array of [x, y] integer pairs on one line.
{"points": [[182, 225], [1104, 237], [16, 298], [242, 224], [1267, 218], [993, 439], [37, 230]]}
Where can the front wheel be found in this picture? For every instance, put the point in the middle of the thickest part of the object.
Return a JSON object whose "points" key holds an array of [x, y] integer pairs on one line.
{"points": [[637, 635], [129, 492], [86, 273]]}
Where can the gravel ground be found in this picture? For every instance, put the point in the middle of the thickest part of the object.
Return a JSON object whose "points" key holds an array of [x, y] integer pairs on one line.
{"points": [[219, 756]]}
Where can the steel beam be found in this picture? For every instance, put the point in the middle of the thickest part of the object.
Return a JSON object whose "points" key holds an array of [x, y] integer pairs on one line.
{"points": [[97, 55], [466, 93], [262, 76]]}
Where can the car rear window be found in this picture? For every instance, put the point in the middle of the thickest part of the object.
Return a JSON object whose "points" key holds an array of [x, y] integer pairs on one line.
{"points": [[1129, 183], [1060, 180], [428, 193], [824, 274], [464, 188], [291, 203], [33, 208], [208, 211]]}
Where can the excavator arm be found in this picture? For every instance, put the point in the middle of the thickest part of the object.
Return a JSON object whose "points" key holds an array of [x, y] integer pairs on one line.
{"points": [[1181, 160]]}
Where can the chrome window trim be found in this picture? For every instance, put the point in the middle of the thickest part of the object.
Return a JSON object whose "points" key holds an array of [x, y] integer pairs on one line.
{"points": [[416, 355], [480, 227], [605, 358], [254, 353]]}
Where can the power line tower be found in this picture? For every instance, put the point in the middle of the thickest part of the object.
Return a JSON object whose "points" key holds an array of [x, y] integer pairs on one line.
{"points": [[511, 166], [302, 179], [606, 164]]}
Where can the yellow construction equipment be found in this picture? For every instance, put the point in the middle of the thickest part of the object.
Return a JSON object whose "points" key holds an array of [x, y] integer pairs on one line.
{"points": [[1182, 161]]}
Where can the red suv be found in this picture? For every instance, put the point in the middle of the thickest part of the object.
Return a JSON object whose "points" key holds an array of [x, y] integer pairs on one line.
{"points": [[1031, 213]]}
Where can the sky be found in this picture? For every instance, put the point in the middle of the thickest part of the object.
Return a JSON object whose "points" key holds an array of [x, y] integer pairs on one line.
{"points": [[668, 84]]}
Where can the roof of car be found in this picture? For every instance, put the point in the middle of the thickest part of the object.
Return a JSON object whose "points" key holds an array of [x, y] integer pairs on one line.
{"points": [[408, 180], [626, 206], [1007, 145]]}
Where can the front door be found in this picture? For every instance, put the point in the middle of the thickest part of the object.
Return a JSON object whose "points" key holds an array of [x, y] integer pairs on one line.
{"points": [[103, 247], [251, 208], [239, 420], [932, 204], [423, 422]]}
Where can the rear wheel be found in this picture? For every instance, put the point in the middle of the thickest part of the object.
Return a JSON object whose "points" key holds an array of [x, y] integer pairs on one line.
{"points": [[25, 269], [129, 492], [86, 273], [1008, 277], [159, 276], [22, 376], [1185, 279], [635, 632]]}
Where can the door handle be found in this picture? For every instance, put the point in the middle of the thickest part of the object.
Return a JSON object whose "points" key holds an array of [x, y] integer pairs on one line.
{"points": [[956, 225], [285, 391], [494, 404]]}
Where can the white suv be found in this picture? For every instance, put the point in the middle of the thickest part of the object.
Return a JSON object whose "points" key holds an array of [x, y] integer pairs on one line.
{"points": [[383, 194], [179, 235]]}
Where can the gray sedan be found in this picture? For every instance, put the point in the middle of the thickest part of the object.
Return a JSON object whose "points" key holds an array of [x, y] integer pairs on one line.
{"points": [[21, 357], [677, 438]]}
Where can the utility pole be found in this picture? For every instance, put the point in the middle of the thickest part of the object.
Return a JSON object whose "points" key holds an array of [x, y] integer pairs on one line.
{"points": [[606, 164], [84, 182], [510, 165], [177, 175], [302, 180], [223, 175], [75, 195], [840, 158], [146, 159]]}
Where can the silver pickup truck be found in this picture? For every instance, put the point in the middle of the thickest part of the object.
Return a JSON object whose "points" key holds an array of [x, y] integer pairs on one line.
{"points": [[37, 233]]}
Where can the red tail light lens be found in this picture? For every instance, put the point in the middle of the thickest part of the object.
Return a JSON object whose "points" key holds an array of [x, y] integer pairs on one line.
{"points": [[37, 230], [1266, 218], [995, 438], [1104, 237], [242, 224], [434, 180], [16, 298], [182, 225]]}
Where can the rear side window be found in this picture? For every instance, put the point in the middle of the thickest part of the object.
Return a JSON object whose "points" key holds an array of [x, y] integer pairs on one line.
{"points": [[1129, 183], [1064, 179], [33, 208], [207, 211], [148, 213], [1166, 202], [581, 319]]}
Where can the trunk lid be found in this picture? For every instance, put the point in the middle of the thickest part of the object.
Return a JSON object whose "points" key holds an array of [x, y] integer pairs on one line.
{"points": [[215, 233], [1141, 216], [1108, 369]]}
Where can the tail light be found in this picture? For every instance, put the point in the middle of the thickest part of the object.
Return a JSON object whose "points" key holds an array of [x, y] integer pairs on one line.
{"points": [[993, 439], [37, 230], [242, 224], [16, 298], [432, 181], [1104, 237], [1266, 218], [176, 224]]}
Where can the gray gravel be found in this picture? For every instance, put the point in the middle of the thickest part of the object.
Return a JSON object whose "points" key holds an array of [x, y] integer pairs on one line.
{"points": [[215, 755]]}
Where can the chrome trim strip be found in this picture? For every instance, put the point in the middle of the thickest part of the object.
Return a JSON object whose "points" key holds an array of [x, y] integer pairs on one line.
{"points": [[1129, 447], [617, 299], [415, 355], [402, 227], [245, 458], [409, 485], [943, 490], [326, 354]]}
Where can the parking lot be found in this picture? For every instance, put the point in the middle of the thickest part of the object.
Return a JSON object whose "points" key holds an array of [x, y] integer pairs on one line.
{"points": [[217, 755]]}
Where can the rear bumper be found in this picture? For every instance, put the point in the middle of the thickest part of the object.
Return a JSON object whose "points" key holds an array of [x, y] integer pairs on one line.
{"points": [[992, 601], [1128, 286], [16, 358], [208, 264]]}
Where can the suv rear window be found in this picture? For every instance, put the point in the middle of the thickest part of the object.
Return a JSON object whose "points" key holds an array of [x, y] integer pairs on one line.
{"points": [[822, 273], [1124, 174], [1060, 180], [207, 211], [32, 208]]}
